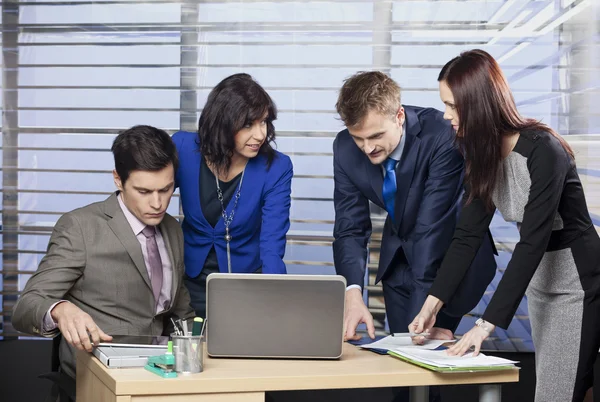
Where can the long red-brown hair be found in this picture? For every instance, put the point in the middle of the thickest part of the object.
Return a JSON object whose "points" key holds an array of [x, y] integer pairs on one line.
{"points": [[487, 113]]}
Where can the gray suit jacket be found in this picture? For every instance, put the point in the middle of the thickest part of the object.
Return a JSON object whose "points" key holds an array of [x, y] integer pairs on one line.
{"points": [[95, 261]]}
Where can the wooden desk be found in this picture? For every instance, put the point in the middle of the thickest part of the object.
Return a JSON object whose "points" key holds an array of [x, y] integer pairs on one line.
{"points": [[246, 380]]}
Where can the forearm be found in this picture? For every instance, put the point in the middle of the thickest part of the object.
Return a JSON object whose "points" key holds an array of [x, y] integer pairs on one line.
{"points": [[350, 259], [31, 315], [433, 304], [273, 265], [272, 250]]}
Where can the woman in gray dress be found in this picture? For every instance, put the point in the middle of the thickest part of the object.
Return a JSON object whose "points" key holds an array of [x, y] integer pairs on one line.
{"points": [[525, 170]]}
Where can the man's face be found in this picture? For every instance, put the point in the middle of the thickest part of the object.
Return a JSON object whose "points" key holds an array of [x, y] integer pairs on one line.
{"points": [[147, 194], [378, 135]]}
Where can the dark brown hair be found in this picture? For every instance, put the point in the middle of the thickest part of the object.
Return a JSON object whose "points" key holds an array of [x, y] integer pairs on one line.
{"points": [[487, 112], [144, 148], [365, 91], [235, 102]]}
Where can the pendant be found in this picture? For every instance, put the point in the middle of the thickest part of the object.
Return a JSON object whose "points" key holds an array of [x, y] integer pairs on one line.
{"points": [[228, 237]]}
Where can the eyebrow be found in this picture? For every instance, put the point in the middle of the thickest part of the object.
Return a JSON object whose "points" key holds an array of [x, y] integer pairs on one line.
{"points": [[262, 118], [147, 189], [371, 136]]}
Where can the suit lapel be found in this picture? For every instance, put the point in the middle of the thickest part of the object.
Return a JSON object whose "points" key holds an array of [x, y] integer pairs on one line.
{"points": [[121, 228], [375, 175], [406, 167], [168, 238]]}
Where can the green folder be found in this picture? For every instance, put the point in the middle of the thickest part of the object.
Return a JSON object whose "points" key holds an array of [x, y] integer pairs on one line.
{"points": [[451, 369]]}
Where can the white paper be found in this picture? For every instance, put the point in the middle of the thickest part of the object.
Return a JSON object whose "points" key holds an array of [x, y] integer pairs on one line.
{"points": [[425, 353], [392, 342], [440, 358]]}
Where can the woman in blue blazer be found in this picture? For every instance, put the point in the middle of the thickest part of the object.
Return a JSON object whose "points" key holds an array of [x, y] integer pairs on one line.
{"points": [[235, 188]]}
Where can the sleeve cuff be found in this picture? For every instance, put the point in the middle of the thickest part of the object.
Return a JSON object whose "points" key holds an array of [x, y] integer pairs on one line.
{"points": [[48, 324], [353, 287]]}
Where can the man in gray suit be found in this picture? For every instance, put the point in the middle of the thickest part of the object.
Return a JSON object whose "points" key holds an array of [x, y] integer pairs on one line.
{"points": [[115, 266]]}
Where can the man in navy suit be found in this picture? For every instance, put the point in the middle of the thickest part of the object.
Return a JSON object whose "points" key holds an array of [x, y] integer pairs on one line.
{"points": [[403, 159]]}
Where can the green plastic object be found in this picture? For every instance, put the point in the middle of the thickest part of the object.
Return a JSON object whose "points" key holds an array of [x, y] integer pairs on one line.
{"points": [[197, 328], [160, 371], [163, 365]]}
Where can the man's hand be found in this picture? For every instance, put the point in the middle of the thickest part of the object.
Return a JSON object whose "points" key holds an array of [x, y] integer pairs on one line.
{"points": [[77, 326], [356, 312]]}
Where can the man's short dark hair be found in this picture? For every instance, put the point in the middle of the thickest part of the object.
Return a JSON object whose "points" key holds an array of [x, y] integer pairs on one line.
{"points": [[143, 148]]}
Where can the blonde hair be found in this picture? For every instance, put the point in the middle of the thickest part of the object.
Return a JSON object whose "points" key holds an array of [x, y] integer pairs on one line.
{"points": [[366, 91]]}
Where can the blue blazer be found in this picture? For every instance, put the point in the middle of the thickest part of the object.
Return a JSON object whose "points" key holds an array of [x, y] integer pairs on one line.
{"points": [[260, 223], [429, 180]]}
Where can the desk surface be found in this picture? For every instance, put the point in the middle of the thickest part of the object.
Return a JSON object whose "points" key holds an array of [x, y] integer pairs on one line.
{"points": [[356, 369]]}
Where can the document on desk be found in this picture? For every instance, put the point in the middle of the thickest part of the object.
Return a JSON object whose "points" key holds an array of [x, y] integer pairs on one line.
{"points": [[432, 355], [391, 342]]}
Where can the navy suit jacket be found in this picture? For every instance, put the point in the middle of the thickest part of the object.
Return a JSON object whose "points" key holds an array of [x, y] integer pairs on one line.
{"points": [[260, 222], [429, 180]]}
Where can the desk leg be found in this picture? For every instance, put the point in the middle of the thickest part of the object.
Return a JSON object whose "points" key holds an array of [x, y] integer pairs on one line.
{"points": [[490, 393], [419, 394]]}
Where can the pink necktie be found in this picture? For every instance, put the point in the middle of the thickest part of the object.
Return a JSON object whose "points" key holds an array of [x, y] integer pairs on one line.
{"points": [[156, 274]]}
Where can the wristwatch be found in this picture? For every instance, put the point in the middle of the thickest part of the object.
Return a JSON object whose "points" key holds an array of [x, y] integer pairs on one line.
{"points": [[486, 326]]}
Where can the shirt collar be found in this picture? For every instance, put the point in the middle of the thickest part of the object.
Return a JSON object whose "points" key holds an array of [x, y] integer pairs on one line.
{"points": [[136, 225], [397, 153]]}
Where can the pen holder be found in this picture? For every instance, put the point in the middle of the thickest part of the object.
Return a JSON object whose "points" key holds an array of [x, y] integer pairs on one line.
{"points": [[189, 353]]}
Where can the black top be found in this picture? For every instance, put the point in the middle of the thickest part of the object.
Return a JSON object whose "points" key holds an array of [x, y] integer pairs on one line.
{"points": [[555, 189], [211, 207]]}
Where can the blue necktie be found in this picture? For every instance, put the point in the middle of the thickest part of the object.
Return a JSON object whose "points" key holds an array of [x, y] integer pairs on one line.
{"points": [[389, 186]]}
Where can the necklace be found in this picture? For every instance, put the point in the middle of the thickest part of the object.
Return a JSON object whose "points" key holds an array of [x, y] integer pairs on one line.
{"points": [[228, 218]]}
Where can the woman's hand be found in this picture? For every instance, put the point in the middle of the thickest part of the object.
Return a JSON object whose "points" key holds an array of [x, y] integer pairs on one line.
{"points": [[474, 338], [425, 320]]}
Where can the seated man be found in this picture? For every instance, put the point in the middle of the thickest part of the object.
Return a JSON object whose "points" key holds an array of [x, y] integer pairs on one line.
{"points": [[115, 266]]}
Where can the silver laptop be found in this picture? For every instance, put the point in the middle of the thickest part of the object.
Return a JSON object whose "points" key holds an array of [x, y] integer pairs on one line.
{"points": [[130, 350], [275, 316]]}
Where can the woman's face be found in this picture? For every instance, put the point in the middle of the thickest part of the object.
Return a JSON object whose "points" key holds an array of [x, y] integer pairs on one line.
{"points": [[450, 112], [251, 137]]}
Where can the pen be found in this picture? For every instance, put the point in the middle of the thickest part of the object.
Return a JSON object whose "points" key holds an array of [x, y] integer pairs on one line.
{"points": [[180, 326], [175, 327], [185, 328], [203, 325], [410, 334]]}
